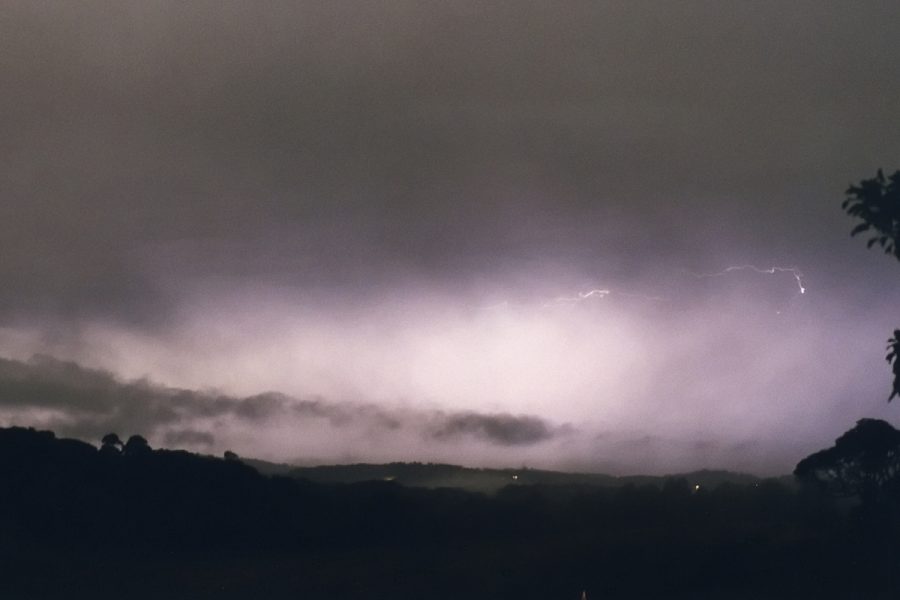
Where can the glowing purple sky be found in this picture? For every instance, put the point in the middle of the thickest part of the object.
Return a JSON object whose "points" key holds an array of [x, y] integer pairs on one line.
{"points": [[328, 231]]}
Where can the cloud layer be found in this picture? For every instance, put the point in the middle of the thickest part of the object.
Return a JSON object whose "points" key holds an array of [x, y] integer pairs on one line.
{"points": [[149, 146], [88, 403]]}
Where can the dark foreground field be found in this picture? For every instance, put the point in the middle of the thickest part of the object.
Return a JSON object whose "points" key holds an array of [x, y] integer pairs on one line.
{"points": [[78, 522]]}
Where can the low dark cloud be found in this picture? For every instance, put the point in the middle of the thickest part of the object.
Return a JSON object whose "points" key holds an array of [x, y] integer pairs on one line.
{"points": [[499, 429], [87, 403]]}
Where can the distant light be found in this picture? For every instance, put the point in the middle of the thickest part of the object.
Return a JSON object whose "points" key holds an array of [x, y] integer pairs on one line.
{"points": [[697, 487], [515, 476]]}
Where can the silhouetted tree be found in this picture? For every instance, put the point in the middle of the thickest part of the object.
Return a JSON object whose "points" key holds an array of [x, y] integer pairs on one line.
{"points": [[136, 446], [111, 444], [877, 202], [893, 356], [864, 462], [231, 456]]}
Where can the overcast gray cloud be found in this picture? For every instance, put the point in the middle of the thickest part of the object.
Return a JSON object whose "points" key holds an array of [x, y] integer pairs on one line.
{"points": [[398, 204], [149, 144]]}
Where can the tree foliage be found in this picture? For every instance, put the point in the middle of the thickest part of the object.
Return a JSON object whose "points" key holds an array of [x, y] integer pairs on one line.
{"points": [[111, 444], [864, 462], [137, 446], [877, 202], [893, 357]]}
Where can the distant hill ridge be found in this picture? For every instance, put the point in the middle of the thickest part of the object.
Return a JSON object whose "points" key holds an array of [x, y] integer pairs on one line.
{"points": [[408, 474], [439, 475]]}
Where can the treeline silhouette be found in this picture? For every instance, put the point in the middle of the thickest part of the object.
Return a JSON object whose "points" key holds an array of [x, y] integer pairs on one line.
{"points": [[135, 522]]}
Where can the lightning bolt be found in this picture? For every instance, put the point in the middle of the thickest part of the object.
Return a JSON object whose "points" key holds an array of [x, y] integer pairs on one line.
{"points": [[599, 294], [596, 294], [603, 293], [798, 275]]}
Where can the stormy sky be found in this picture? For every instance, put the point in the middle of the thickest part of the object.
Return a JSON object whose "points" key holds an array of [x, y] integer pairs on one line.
{"points": [[585, 235]]}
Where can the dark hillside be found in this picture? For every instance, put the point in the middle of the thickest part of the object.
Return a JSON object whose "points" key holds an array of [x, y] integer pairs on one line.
{"points": [[130, 521]]}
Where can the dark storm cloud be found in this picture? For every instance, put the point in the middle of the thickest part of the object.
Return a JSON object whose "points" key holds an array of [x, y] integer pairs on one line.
{"points": [[147, 145], [88, 403], [500, 429]]}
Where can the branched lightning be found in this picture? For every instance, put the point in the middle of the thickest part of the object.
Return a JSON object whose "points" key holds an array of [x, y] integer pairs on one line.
{"points": [[798, 275], [579, 297], [596, 294], [603, 293]]}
